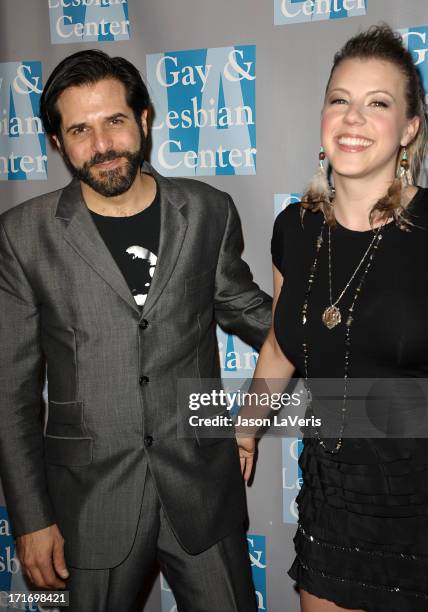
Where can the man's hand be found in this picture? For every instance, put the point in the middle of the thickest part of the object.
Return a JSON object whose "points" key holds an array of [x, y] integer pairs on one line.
{"points": [[41, 554], [247, 451]]}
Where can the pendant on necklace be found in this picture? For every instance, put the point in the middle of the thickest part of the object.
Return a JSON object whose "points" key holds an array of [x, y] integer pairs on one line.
{"points": [[331, 317]]}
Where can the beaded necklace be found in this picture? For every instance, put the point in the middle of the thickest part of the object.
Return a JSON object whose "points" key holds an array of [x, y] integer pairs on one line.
{"points": [[372, 250]]}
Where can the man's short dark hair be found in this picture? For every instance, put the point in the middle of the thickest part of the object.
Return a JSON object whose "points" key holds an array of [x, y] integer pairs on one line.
{"points": [[89, 67]]}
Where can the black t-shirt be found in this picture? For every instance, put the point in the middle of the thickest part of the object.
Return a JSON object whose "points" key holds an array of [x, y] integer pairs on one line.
{"points": [[389, 334], [134, 244]]}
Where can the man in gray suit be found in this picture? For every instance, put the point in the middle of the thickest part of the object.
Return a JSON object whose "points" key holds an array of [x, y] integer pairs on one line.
{"points": [[115, 284]]}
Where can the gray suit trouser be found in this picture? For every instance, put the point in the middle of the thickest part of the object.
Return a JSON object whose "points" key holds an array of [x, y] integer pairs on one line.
{"points": [[216, 580]]}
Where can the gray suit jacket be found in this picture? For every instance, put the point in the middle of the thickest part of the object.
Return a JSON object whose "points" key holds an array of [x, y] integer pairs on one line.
{"points": [[112, 370]]}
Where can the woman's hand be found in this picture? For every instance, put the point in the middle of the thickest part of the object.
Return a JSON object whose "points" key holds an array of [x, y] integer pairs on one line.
{"points": [[247, 451]]}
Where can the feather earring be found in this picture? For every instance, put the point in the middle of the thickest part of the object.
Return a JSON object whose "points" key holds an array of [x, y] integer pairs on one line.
{"points": [[319, 188], [404, 173]]}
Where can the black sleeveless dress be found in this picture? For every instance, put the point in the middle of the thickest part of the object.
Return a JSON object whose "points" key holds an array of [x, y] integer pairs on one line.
{"points": [[362, 537]]}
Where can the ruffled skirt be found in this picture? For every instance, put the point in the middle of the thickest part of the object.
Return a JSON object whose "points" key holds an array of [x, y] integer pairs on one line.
{"points": [[362, 538]]}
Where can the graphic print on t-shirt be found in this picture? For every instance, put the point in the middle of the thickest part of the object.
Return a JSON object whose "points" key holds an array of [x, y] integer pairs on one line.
{"points": [[134, 245], [144, 262]]}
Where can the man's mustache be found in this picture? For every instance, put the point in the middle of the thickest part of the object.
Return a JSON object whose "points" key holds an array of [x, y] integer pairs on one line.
{"points": [[100, 158]]}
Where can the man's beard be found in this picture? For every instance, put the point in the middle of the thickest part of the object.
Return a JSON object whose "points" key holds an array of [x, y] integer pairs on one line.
{"points": [[116, 181]]}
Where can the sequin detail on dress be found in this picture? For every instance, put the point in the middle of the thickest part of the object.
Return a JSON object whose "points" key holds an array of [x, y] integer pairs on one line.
{"points": [[376, 553], [365, 585]]}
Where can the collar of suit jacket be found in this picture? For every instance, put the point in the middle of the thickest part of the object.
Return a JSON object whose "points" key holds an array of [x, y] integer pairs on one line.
{"points": [[82, 234]]}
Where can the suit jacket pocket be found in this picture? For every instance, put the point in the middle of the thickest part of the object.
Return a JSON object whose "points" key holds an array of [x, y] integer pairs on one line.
{"points": [[70, 452], [65, 419]]}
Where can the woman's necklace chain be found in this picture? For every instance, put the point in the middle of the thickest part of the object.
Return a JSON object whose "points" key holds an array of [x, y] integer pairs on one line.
{"points": [[332, 315], [375, 244]]}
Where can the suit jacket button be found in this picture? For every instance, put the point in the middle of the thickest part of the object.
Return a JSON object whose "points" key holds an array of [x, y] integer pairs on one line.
{"points": [[144, 380], [143, 324], [148, 441]]}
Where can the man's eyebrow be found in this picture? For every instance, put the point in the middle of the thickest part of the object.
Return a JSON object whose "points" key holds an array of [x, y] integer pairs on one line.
{"points": [[109, 118], [117, 116]]}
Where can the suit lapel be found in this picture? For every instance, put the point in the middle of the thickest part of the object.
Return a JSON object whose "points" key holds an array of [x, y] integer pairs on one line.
{"points": [[172, 232], [83, 236]]}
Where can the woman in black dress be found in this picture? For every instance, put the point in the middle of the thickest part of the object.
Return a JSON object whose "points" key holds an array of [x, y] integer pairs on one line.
{"points": [[354, 304]]}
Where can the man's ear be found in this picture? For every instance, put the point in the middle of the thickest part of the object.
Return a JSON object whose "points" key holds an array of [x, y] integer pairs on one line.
{"points": [[144, 121], [57, 143]]}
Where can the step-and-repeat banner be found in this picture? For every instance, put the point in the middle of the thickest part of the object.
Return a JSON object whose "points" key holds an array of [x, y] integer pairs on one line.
{"points": [[237, 89]]}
